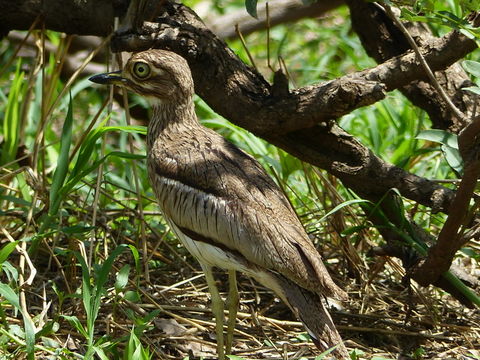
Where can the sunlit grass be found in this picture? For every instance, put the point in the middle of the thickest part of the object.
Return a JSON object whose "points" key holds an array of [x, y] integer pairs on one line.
{"points": [[69, 192]]}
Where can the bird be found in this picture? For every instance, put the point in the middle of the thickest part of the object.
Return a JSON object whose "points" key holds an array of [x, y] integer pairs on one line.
{"points": [[222, 205]]}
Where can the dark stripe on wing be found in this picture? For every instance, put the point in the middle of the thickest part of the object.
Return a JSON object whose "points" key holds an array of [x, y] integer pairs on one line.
{"points": [[189, 181], [204, 239]]}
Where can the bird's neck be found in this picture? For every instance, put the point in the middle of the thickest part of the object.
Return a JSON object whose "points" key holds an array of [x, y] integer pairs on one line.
{"points": [[171, 118]]}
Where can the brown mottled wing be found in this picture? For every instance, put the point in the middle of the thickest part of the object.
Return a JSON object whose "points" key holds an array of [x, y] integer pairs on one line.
{"points": [[223, 194]]}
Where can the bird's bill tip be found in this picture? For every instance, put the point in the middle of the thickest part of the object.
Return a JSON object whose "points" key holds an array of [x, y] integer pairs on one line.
{"points": [[111, 78]]}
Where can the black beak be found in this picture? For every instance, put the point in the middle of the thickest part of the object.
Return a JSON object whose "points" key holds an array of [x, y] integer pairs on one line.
{"points": [[111, 78]]}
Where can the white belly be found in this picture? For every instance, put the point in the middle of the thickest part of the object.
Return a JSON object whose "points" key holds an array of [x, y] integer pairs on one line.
{"points": [[209, 254], [214, 256]]}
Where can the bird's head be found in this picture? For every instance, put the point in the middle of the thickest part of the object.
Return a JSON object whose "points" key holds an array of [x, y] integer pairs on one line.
{"points": [[158, 75]]}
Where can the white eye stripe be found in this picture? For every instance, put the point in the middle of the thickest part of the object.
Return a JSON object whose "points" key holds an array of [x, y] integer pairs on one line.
{"points": [[159, 71]]}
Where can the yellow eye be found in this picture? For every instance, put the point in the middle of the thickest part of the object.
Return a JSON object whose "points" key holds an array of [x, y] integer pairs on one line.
{"points": [[141, 70]]}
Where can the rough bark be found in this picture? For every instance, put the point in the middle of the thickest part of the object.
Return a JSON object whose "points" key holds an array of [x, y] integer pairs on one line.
{"points": [[71, 17], [382, 41], [450, 240]]}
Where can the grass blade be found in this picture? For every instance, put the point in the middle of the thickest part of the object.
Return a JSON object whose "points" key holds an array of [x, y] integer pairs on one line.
{"points": [[12, 117], [88, 145], [62, 166], [6, 251], [10, 295]]}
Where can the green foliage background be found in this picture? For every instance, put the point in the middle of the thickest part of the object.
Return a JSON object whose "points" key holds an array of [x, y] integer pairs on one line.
{"points": [[82, 192]]}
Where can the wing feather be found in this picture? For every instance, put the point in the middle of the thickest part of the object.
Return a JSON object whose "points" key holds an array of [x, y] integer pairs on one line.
{"points": [[225, 195]]}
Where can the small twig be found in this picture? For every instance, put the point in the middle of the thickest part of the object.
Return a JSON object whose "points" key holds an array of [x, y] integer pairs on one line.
{"points": [[244, 44], [22, 250], [268, 36], [287, 73], [14, 56], [21, 276], [173, 286], [394, 332], [93, 238], [59, 265], [163, 310], [256, 321], [77, 72], [87, 130], [425, 66]]}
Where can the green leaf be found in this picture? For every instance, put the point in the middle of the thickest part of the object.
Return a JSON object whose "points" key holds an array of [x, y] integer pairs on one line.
{"points": [[72, 181], [251, 6], [341, 206], [10, 271], [449, 146], [100, 353], [92, 295], [136, 258], [16, 200], [472, 89], [454, 159], [122, 278], [469, 5], [470, 253], [105, 270], [132, 296], [353, 229], [86, 288], [10, 295], [472, 67], [439, 136], [88, 146], [73, 320], [76, 229], [325, 353], [6, 251]]}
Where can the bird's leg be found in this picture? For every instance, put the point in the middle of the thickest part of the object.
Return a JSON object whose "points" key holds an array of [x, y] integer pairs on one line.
{"points": [[232, 308], [217, 310]]}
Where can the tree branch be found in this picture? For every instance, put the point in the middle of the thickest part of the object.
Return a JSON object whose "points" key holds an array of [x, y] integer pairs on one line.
{"points": [[441, 254], [281, 11], [383, 40], [261, 112], [86, 17]]}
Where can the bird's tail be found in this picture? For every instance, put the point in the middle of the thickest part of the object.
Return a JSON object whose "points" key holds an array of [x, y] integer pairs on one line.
{"points": [[310, 310]]}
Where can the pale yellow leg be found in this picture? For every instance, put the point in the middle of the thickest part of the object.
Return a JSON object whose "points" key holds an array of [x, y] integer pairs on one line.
{"points": [[217, 310], [232, 308]]}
